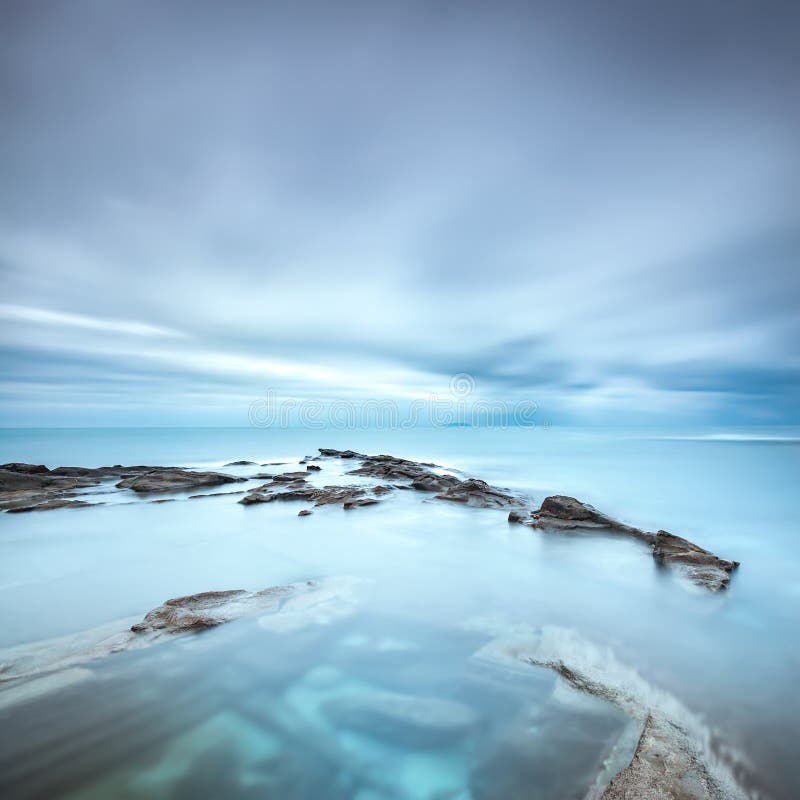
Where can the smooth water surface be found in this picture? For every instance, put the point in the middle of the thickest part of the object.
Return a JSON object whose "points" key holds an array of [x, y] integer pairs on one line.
{"points": [[240, 712]]}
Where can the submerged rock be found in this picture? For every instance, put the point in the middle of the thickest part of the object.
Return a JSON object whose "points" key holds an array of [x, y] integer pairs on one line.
{"points": [[240, 464], [407, 720], [280, 608], [48, 505], [662, 769], [675, 758], [701, 566], [209, 609], [169, 479]]}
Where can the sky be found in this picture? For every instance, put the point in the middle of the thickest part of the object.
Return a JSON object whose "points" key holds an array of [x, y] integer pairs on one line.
{"points": [[591, 207]]}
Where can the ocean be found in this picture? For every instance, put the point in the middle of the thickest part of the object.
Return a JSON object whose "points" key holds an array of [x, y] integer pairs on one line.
{"points": [[241, 711]]}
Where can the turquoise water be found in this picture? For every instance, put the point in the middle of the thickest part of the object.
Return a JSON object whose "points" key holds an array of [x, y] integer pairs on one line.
{"points": [[240, 711]]}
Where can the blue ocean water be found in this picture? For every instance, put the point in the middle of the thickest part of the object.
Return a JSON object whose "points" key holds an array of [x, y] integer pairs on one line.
{"points": [[731, 658]]}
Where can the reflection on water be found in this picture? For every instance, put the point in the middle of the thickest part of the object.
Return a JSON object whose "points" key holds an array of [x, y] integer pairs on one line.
{"points": [[344, 710], [243, 710]]}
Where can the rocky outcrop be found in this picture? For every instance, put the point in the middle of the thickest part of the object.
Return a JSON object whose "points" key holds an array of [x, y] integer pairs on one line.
{"points": [[35, 487], [560, 511], [293, 486], [48, 505], [331, 453], [661, 769], [478, 493], [279, 608], [700, 566], [675, 758], [422, 477], [171, 479], [207, 609], [240, 464]]}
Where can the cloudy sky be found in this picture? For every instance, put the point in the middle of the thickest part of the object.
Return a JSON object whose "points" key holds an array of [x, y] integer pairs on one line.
{"points": [[594, 206]]}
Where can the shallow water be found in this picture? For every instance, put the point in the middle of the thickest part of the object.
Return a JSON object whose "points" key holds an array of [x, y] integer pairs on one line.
{"points": [[240, 711]]}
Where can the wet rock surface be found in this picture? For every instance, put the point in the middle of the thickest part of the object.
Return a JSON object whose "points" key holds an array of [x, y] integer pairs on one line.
{"points": [[28, 487], [663, 768], [478, 493], [701, 566], [289, 486], [206, 610], [48, 505], [673, 758], [174, 479], [279, 608], [560, 512]]}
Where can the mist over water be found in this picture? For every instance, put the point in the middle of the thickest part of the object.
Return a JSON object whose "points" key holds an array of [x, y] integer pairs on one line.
{"points": [[435, 575]]}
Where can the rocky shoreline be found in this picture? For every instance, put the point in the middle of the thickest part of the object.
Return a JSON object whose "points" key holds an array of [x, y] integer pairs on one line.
{"points": [[32, 487]]}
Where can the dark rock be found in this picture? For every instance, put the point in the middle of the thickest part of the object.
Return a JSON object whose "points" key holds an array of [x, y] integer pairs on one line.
{"points": [[702, 566], [173, 479], [320, 496], [48, 505], [518, 516], [304, 513], [431, 482], [28, 469], [331, 453], [240, 464], [312, 467], [562, 512], [475, 492], [204, 610], [206, 494], [363, 501], [288, 477]]}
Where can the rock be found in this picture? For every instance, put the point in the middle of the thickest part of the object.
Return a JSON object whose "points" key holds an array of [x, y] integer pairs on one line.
{"points": [[27, 469], [330, 453], [320, 496], [288, 477], [675, 758], [363, 501], [475, 492], [204, 610], [661, 769], [170, 479], [241, 464], [701, 566], [304, 513], [408, 720], [312, 467], [560, 512], [206, 494], [517, 516], [280, 608], [431, 482], [48, 505]]}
